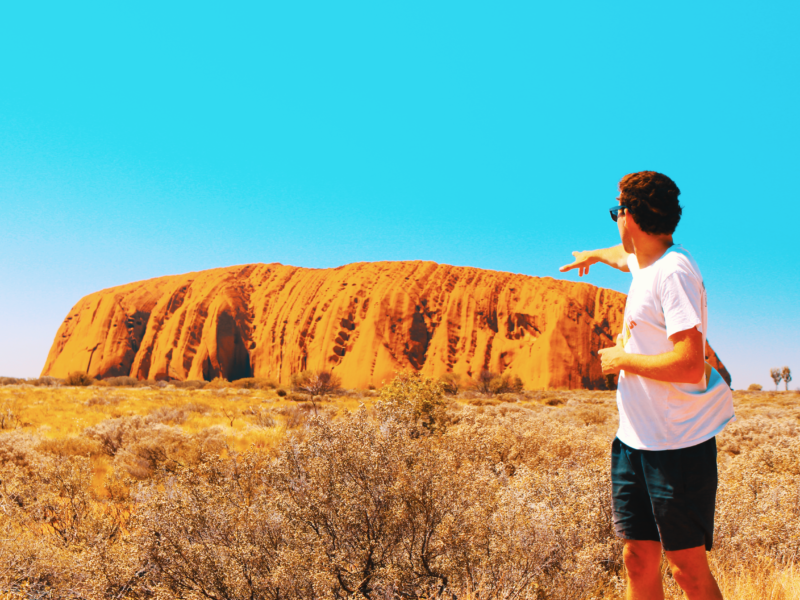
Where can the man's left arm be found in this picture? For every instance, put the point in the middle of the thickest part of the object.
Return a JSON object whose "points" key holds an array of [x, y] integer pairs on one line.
{"points": [[685, 363]]}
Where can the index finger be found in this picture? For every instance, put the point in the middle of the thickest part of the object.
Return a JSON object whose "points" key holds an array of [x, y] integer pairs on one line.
{"points": [[566, 268], [573, 265]]}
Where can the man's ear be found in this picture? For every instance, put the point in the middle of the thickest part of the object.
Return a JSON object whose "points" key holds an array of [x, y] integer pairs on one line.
{"points": [[630, 222]]}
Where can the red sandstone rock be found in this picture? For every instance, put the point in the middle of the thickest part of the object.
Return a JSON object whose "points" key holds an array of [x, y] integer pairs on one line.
{"points": [[364, 321]]}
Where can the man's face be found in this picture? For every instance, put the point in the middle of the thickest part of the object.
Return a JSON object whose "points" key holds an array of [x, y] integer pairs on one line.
{"points": [[622, 226]]}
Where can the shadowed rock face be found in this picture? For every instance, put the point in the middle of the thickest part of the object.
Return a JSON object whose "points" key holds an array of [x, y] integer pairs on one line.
{"points": [[364, 321]]}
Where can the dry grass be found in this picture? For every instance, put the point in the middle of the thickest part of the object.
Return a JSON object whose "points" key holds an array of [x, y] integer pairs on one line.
{"points": [[57, 412], [125, 492]]}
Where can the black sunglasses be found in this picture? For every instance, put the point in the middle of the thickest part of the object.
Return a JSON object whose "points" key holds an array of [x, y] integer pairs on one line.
{"points": [[615, 210]]}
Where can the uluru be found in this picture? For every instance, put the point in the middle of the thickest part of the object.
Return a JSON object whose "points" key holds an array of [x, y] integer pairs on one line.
{"points": [[363, 321]]}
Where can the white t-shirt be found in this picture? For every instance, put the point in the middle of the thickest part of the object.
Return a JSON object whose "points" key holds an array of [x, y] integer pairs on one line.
{"points": [[665, 298]]}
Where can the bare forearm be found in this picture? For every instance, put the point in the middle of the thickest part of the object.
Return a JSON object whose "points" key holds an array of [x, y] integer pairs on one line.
{"points": [[613, 257], [685, 363], [670, 366]]}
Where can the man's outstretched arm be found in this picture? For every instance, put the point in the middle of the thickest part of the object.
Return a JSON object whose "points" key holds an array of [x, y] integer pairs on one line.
{"points": [[613, 257]]}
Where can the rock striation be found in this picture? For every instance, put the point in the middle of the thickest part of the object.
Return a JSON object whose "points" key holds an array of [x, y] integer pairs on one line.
{"points": [[364, 321]]}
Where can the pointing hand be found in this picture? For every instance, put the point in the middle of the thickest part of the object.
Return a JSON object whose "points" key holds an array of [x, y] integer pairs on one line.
{"points": [[583, 260]]}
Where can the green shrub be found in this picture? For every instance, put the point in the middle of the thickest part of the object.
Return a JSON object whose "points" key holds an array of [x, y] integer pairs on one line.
{"points": [[488, 382], [299, 379], [254, 383], [78, 378], [415, 400], [451, 382]]}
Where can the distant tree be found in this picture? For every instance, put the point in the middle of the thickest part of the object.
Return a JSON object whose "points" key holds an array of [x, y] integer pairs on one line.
{"points": [[776, 377], [754, 387], [786, 373], [488, 382], [316, 383], [483, 381]]}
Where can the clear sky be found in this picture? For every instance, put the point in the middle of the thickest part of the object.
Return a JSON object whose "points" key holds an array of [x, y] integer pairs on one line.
{"points": [[153, 138]]}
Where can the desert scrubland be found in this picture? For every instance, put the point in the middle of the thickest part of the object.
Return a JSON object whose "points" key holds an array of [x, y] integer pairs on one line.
{"points": [[233, 493]]}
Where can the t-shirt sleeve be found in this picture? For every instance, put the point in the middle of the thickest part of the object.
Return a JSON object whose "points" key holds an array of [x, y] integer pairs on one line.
{"points": [[681, 300]]}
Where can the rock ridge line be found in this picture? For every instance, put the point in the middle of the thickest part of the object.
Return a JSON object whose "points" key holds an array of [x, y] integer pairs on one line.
{"points": [[364, 321]]}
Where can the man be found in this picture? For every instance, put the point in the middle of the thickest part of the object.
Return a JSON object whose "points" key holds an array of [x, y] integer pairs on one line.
{"points": [[671, 403]]}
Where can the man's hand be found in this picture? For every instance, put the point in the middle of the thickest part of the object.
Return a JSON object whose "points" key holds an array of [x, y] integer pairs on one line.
{"points": [[613, 257], [612, 358], [583, 260]]}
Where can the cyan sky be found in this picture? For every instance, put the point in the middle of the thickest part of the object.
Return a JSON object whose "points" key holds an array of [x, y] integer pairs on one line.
{"points": [[145, 139]]}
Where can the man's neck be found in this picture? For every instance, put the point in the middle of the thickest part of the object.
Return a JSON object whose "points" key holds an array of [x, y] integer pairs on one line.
{"points": [[649, 248]]}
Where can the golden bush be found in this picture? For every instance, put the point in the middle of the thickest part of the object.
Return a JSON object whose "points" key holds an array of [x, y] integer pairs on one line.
{"points": [[78, 378]]}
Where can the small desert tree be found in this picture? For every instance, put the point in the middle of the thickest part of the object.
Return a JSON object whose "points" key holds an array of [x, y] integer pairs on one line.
{"points": [[776, 377], [316, 383], [786, 373], [483, 381]]}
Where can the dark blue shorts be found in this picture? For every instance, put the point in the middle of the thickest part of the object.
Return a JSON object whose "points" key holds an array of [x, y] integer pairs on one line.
{"points": [[667, 496]]}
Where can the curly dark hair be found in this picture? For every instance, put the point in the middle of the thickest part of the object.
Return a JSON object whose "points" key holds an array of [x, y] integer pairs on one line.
{"points": [[652, 199]]}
